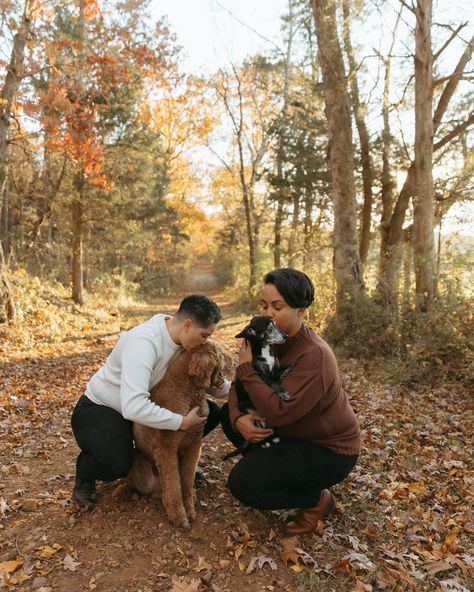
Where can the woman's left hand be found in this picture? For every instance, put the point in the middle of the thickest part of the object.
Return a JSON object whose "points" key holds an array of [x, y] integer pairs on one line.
{"points": [[245, 352]]}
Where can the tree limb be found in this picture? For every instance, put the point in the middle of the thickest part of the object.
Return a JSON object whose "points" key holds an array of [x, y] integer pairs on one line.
{"points": [[452, 84], [449, 40]]}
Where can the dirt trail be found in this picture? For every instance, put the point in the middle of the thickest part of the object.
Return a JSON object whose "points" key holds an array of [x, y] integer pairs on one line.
{"points": [[401, 502]]}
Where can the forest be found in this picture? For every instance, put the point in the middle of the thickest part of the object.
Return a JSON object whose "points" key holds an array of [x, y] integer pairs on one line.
{"points": [[345, 150]]}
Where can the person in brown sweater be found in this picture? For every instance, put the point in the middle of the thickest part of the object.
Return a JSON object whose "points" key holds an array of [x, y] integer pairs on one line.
{"points": [[319, 435]]}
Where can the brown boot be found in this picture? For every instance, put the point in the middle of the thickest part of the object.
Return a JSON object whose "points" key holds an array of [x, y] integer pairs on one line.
{"points": [[307, 518]]}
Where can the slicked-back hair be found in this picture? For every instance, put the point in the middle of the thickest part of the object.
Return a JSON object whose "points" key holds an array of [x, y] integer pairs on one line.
{"points": [[295, 286], [200, 309]]}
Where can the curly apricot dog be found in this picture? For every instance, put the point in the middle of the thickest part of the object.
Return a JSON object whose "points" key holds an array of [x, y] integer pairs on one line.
{"points": [[175, 454]]}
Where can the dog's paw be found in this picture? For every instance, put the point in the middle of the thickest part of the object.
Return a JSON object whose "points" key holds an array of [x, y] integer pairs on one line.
{"points": [[285, 395], [181, 522]]}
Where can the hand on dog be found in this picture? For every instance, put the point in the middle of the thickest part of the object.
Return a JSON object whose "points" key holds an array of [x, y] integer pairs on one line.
{"points": [[245, 352], [247, 428], [192, 422]]}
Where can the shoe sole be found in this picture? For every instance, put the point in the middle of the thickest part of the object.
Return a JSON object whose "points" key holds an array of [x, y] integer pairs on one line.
{"points": [[83, 504], [331, 508]]}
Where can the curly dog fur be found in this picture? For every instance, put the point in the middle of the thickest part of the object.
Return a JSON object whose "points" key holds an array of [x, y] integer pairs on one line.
{"points": [[175, 454]]}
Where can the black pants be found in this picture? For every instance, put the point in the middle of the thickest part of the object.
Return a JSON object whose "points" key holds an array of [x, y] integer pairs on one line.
{"points": [[289, 474], [106, 440]]}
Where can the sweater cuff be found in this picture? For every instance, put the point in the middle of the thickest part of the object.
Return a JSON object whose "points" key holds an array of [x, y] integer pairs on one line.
{"points": [[179, 420], [244, 370]]}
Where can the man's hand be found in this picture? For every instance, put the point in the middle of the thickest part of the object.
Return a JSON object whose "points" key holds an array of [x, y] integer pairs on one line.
{"points": [[247, 428], [245, 352], [192, 422]]}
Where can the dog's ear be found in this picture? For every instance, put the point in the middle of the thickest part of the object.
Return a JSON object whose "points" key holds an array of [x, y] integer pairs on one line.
{"points": [[246, 333], [201, 366]]}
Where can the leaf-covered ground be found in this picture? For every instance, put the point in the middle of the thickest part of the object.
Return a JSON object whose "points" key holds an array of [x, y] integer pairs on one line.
{"points": [[402, 519]]}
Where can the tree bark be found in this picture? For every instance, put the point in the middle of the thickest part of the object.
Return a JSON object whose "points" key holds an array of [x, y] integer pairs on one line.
{"points": [[392, 226], [5, 221], [77, 212], [277, 234], [7, 305], [277, 250], [366, 161], [387, 286], [423, 197], [7, 95], [346, 250], [293, 250]]}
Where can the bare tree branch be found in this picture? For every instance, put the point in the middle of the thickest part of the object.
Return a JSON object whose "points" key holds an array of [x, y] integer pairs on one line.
{"points": [[452, 84], [448, 41]]}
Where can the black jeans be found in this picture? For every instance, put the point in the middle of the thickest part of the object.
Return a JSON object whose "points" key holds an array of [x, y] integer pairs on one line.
{"points": [[289, 474], [106, 440]]}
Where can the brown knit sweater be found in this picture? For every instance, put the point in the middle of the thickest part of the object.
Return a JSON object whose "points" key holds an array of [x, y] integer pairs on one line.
{"points": [[319, 409]]}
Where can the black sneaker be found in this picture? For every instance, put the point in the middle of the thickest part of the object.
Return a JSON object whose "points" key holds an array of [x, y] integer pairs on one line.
{"points": [[84, 493]]}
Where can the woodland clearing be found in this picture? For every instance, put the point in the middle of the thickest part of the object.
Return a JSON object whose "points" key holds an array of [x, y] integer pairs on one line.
{"points": [[402, 520]]}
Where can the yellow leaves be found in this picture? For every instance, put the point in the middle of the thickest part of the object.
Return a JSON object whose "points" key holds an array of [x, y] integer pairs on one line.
{"points": [[10, 574], [362, 587], [398, 489], [289, 553], [181, 584], [10, 566], [46, 552], [450, 544]]}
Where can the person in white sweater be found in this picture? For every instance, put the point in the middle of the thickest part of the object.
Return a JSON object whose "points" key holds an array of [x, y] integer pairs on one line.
{"points": [[118, 394]]}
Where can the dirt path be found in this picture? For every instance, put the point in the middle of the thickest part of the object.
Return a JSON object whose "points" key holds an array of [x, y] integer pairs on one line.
{"points": [[401, 522]]}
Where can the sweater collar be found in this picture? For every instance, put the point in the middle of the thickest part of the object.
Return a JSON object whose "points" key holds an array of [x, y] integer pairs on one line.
{"points": [[294, 339]]}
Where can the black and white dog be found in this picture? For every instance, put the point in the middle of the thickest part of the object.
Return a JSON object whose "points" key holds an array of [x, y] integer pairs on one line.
{"points": [[262, 334]]}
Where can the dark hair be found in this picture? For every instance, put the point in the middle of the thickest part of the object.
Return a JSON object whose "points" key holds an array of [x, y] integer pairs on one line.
{"points": [[295, 286], [200, 309]]}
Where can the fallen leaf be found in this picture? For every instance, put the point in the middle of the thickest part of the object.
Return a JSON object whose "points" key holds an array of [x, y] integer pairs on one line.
{"points": [[452, 585], [180, 584], [260, 562], [3, 507], [434, 567], [70, 564], [46, 552], [362, 587], [289, 552], [450, 544], [298, 567], [10, 566], [359, 560], [17, 578]]}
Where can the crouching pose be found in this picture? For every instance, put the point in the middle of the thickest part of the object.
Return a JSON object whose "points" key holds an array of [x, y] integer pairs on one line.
{"points": [[319, 435], [119, 394]]}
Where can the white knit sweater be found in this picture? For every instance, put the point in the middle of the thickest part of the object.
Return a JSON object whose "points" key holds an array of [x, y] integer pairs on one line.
{"points": [[138, 362], [135, 365]]}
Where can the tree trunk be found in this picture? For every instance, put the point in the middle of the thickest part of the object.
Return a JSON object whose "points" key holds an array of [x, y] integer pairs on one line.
{"points": [[77, 238], [7, 305], [5, 222], [7, 95], [367, 173], [392, 224], [277, 234], [346, 250], [11, 84], [308, 225], [293, 242], [281, 140], [423, 197], [387, 286]]}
